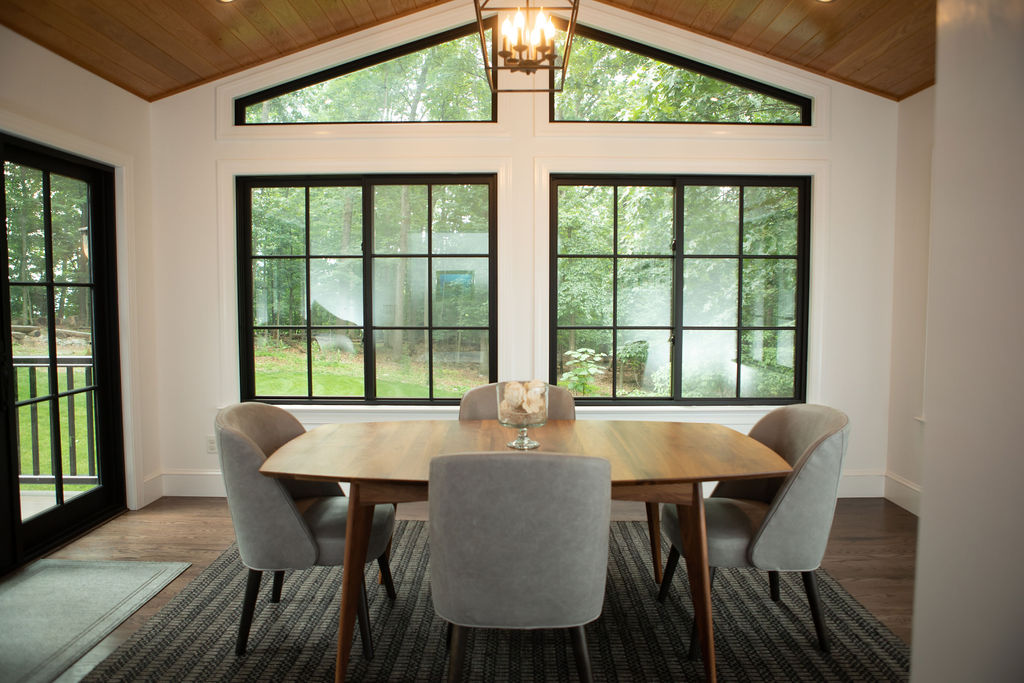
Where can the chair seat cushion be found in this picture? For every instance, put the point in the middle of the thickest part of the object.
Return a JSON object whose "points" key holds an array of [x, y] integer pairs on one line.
{"points": [[731, 525], [327, 518]]}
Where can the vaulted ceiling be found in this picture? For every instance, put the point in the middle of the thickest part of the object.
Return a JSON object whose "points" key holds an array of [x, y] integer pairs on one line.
{"points": [[157, 48]]}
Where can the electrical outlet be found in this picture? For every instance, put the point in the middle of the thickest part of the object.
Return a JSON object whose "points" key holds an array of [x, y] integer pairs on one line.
{"points": [[211, 444]]}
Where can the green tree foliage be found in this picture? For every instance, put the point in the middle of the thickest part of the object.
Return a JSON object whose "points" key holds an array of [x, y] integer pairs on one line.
{"points": [[445, 82], [606, 83]]}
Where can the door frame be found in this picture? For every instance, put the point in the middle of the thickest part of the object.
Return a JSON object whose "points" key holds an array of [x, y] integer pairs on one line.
{"points": [[22, 541]]}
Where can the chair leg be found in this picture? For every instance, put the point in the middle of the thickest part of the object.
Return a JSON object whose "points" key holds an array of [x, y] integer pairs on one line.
{"points": [[694, 646], [773, 585], [448, 636], [363, 617], [579, 649], [670, 570], [252, 591], [385, 574], [814, 600], [457, 654], [275, 593]]}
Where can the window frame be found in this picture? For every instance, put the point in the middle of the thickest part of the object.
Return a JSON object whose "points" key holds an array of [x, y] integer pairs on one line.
{"points": [[241, 103], [245, 256], [806, 104], [678, 257]]}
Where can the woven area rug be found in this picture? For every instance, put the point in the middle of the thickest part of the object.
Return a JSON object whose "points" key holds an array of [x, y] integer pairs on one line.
{"points": [[54, 611], [636, 638]]}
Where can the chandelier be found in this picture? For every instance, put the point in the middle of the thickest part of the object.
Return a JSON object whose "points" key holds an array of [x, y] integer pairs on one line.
{"points": [[525, 41]]}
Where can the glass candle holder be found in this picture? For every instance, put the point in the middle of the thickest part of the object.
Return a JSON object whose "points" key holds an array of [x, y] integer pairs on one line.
{"points": [[522, 405]]}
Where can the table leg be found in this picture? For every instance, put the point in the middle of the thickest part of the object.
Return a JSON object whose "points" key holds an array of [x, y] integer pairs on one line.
{"points": [[695, 539], [654, 529], [357, 539]]}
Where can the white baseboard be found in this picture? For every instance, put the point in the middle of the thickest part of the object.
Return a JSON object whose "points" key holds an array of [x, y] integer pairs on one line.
{"points": [[862, 484], [903, 492], [203, 483]]}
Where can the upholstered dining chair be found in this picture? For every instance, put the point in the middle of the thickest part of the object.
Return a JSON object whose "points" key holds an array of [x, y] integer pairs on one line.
{"points": [[778, 523], [283, 524], [518, 542], [481, 403]]}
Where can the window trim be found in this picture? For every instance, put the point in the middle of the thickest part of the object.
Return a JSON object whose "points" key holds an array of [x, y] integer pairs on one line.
{"points": [[680, 181], [241, 103], [246, 327], [805, 103]]}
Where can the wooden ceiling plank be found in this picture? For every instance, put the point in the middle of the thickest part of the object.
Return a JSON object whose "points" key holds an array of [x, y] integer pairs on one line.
{"points": [[195, 52], [206, 28], [680, 12], [338, 15], [881, 22], [315, 19], [762, 16], [62, 37], [778, 29], [849, 16], [709, 16], [734, 17], [266, 25], [887, 49], [360, 11], [291, 23]]}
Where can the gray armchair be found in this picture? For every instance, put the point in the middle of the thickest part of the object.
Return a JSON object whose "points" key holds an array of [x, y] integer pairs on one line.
{"points": [[284, 524], [778, 523], [481, 403], [518, 542]]}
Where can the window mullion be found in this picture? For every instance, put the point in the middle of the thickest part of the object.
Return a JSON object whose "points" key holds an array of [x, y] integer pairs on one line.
{"points": [[309, 300], [677, 292], [369, 338]]}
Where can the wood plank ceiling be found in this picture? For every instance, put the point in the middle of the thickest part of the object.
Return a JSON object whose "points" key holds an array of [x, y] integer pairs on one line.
{"points": [[158, 48]]}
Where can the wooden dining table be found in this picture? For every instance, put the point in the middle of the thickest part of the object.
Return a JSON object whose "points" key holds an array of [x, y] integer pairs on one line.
{"points": [[651, 462]]}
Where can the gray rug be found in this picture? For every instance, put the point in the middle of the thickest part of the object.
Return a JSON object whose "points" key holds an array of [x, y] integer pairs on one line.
{"points": [[636, 639], [54, 611]]}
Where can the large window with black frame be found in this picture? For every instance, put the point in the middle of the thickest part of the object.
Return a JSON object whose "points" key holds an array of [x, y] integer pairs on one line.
{"points": [[366, 288], [688, 289]]}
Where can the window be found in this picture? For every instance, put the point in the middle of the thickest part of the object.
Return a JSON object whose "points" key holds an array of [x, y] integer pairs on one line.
{"points": [[690, 289], [612, 79], [440, 78], [367, 288]]}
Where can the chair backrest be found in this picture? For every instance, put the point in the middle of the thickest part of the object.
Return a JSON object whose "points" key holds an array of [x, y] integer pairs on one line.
{"points": [[519, 541], [269, 529], [481, 403], [794, 533]]}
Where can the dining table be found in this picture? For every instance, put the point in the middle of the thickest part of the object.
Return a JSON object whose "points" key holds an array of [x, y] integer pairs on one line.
{"points": [[652, 462]]}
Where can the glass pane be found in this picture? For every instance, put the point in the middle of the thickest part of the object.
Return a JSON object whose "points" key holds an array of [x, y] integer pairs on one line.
{"points": [[584, 362], [69, 221], [336, 291], [461, 219], [461, 361], [338, 363], [279, 291], [711, 220], [278, 221], [335, 221], [26, 236], [770, 220], [30, 333], [645, 291], [643, 363], [709, 292], [440, 83], [461, 292], [769, 357], [607, 83], [35, 481], [400, 292], [769, 292], [280, 360], [402, 365], [584, 291], [646, 216], [400, 219], [78, 444], [73, 314], [709, 364], [585, 219]]}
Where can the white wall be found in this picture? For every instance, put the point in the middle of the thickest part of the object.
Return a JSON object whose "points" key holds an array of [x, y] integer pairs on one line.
{"points": [[850, 152], [51, 101], [910, 295], [969, 598]]}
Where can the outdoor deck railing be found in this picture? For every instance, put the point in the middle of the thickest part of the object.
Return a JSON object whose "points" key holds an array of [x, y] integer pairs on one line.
{"points": [[76, 420]]}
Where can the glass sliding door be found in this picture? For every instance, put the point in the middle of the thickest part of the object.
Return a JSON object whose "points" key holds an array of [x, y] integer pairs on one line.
{"points": [[64, 460]]}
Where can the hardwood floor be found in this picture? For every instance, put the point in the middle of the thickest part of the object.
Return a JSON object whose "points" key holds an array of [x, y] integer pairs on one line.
{"points": [[871, 553]]}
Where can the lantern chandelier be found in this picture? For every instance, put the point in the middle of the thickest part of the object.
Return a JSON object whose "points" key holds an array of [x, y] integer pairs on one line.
{"points": [[525, 42]]}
